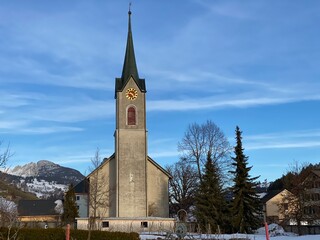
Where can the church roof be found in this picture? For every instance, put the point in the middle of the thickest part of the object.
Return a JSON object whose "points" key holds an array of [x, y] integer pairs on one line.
{"points": [[129, 66]]}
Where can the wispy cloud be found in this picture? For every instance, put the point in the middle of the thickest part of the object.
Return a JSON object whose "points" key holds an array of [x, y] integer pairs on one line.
{"points": [[298, 139], [227, 9], [75, 111], [222, 102], [163, 154], [278, 145], [47, 130], [290, 135], [196, 89], [11, 125]]}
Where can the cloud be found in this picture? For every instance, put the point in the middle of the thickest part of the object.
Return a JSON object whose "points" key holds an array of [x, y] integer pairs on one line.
{"points": [[284, 140], [304, 144], [12, 100], [48, 130], [25, 127], [11, 125], [227, 9], [74, 111], [290, 135], [222, 102], [163, 154], [60, 48]]}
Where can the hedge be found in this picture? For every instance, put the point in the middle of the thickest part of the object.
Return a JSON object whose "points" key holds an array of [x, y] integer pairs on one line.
{"points": [[59, 234]]}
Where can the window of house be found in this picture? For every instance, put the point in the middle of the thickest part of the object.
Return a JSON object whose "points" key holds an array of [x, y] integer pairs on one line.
{"points": [[144, 224], [105, 224], [131, 116], [78, 198], [285, 206]]}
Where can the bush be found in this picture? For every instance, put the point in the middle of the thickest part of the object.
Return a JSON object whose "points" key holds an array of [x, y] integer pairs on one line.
{"points": [[59, 234], [103, 235]]}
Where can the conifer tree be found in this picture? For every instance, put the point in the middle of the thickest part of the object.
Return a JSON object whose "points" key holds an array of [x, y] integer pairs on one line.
{"points": [[210, 202], [245, 207], [70, 209]]}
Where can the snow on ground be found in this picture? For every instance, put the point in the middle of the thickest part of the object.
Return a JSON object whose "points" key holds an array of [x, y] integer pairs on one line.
{"points": [[44, 189], [276, 232], [235, 236], [7, 206]]}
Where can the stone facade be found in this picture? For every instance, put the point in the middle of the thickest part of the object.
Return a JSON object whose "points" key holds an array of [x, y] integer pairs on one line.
{"points": [[131, 154], [156, 198], [158, 195]]}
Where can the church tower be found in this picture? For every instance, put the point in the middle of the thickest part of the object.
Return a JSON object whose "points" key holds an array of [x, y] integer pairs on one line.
{"points": [[130, 138], [133, 186]]}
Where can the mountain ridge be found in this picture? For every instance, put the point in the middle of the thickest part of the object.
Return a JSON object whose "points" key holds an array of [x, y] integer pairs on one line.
{"points": [[47, 170], [44, 178]]}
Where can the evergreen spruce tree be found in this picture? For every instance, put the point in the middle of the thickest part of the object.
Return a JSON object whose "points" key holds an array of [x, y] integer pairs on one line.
{"points": [[245, 207], [210, 202], [70, 209]]}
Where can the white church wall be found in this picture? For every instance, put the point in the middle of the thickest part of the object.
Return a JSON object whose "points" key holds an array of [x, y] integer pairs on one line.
{"points": [[132, 173], [103, 191], [158, 196]]}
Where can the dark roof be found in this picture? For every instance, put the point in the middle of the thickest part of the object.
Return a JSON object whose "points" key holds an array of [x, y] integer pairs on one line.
{"points": [[129, 66], [309, 178], [270, 195], [316, 172], [36, 207], [82, 187]]}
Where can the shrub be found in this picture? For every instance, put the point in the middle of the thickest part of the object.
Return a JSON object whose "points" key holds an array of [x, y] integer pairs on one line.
{"points": [[59, 234]]}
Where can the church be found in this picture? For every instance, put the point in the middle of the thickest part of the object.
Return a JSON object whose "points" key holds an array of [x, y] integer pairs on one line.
{"points": [[132, 188]]}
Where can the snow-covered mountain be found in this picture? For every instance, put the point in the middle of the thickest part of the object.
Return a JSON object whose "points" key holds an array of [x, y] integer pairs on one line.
{"points": [[48, 171], [44, 178]]}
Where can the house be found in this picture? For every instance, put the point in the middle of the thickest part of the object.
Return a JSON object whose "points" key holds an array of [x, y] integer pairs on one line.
{"points": [[40, 213], [81, 191], [271, 205], [311, 200]]}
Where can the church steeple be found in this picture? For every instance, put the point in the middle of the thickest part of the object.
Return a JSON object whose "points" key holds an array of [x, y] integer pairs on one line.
{"points": [[129, 66]]}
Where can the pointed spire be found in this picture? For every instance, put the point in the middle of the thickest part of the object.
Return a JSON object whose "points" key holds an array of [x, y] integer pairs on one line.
{"points": [[129, 66]]}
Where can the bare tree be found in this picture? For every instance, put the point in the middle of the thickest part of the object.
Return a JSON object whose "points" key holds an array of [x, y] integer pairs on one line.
{"points": [[4, 155], [98, 192], [182, 186], [199, 140], [9, 218]]}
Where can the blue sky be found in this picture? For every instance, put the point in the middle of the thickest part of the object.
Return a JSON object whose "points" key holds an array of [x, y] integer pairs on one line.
{"points": [[249, 63]]}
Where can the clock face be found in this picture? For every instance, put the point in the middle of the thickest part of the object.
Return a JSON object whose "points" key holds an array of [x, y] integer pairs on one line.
{"points": [[131, 93]]}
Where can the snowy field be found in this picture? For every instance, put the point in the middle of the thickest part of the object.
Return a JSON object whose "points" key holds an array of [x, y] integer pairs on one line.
{"points": [[235, 236], [276, 232]]}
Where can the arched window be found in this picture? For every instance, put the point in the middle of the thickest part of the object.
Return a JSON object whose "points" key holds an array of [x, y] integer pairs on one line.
{"points": [[131, 115]]}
